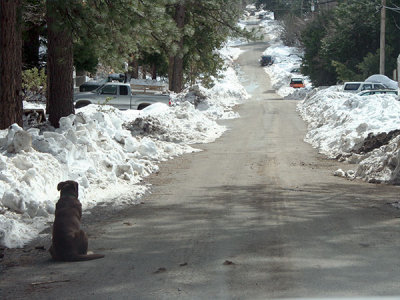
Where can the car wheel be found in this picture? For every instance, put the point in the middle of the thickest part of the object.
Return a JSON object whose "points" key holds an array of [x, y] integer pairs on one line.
{"points": [[141, 106], [81, 104]]}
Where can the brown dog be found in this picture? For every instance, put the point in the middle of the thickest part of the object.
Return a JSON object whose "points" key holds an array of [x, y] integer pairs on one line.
{"points": [[69, 243]]}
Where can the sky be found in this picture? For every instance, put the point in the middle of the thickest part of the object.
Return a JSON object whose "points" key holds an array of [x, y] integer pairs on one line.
{"points": [[109, 152]]}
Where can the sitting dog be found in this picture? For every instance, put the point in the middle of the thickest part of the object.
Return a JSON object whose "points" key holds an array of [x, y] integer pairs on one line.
{"points": [[69, 242]]}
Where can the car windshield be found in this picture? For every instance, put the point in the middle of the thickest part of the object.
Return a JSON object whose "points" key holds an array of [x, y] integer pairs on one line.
{"points": [[351, 86], [379, 86], [97, 89], [297, 81]]}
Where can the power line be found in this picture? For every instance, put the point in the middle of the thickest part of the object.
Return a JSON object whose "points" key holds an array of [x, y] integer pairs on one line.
{"points": [[327, 1], [395, 9]]}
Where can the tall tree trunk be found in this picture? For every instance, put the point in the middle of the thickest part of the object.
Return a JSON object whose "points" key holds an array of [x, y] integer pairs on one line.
{"points": [[30, 47], [134, 67], [154, 71], [144, 72], [171, 82], [176, 62], [10, 64], [59, 66]]}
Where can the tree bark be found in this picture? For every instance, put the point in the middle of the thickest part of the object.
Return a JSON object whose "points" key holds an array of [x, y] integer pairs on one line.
{"points": [[176, 62], [59, 66], [154, 71], [134, 67], [144, 72], [10, 64], [30, 49]]}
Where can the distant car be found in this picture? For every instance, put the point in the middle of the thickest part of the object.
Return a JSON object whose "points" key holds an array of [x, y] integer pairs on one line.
{"points": [[121, 96], [376, 92], [386, 81], [356, 87], [261, 16], [297, 83], [296, 70], [266, 60]]}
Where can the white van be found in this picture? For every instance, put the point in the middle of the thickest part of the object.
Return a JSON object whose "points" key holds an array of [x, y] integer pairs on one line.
{"points": [[356, 87]]}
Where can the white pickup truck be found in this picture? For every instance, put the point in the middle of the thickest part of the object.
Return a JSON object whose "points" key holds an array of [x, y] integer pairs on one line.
{"points": [[120, 95]]}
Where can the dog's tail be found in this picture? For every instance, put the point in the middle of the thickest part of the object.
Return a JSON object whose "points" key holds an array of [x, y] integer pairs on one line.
{"points": [[84, 257]]}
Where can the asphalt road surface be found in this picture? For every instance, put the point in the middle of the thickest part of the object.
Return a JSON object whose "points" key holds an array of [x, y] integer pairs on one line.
{"points": [[257, 215]]}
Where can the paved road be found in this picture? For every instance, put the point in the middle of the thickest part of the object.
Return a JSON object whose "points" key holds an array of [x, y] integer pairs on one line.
{"points": [[256, 215]]}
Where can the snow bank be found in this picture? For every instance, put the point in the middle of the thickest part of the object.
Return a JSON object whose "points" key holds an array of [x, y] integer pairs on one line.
{"points": [[339, 123], [107, 151]]}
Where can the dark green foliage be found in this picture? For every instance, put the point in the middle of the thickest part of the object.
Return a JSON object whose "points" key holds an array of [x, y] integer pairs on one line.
{"points": [[344, 45], [85, 56], [209, 24], [33, 27], [112, 32], [315, 64], [156, 60], [353, 32], [34, 83]]}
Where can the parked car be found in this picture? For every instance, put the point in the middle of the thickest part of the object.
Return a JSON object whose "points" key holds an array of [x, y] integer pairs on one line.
{"points": [[261, 16], [356, 87], [119, 95], [266, 60], [94, 84], [376, 92], [295, 70], [297, 83], [386, 81]]}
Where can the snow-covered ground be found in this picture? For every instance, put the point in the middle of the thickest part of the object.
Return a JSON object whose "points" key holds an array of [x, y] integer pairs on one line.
{"points": [[339, 123], [107, 151]]}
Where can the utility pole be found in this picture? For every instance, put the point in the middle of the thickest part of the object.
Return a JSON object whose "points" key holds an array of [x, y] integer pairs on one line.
{"points": [[398, 77], [382, 46]]}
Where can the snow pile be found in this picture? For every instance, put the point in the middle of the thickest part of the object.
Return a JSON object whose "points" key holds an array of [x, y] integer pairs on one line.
{"points": [[107, 151], [217, 102], [339, 124], [271, 29], [182, 125], [230, 52]]}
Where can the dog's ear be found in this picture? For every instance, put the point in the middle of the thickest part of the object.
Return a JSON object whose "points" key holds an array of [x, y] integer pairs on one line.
{"points": [[60, 185], [76, 186]]}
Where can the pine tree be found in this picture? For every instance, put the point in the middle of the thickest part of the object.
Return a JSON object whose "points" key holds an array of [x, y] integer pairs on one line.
{"points": [[345, 45], [207, 25], [59, 62], [10, 63], [32, 28], [175, 74]]}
